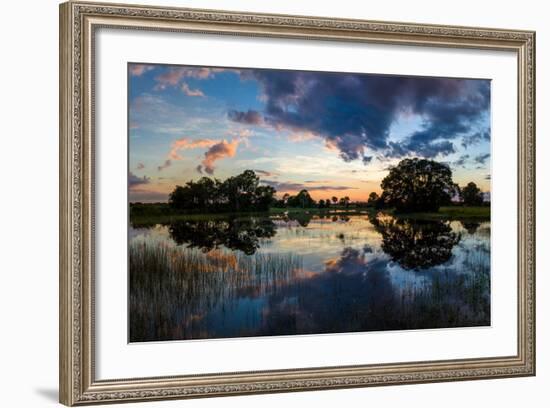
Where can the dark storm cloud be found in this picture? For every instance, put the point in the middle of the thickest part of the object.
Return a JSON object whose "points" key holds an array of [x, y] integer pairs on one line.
{"points": [[289, 186], [482, 158], [354, 112]]}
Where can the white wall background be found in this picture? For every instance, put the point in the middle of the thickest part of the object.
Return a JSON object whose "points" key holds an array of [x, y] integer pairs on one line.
{"points": [[28, 204]]}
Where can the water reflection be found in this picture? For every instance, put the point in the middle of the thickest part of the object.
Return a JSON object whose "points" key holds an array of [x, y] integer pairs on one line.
{"points": [[241, 234], [256, 276], [416, 244]]}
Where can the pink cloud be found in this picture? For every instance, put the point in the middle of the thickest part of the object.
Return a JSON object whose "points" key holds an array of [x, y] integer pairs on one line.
{"points": [[191, 92], [174, 76], [301, 136], [216, 152], [139, 69], [186, 143]]}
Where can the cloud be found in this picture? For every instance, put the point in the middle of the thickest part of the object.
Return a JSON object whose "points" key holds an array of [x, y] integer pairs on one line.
{"points": [[139, 69], [134, 181], [241, 133], [191, 92], [476, 138], [461, 161], [412, 147], [487, 177], [354, 112], [301, 136], [265, 173], [289, 186], [174, 75], [482, 158], [167, 163], [367, 159], [186, 143], [250, 117], [140, 166], [217, 152]]}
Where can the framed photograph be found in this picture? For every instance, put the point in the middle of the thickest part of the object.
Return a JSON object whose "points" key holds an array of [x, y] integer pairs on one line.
{"points": [[256, 203]]}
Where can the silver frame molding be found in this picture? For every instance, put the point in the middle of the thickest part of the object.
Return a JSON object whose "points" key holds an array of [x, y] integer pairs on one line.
{"points": [[78, 22]]}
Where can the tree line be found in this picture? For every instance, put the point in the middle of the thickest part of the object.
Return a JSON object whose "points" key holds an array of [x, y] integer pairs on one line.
{"points": [[412, 185], [235, 194], [241, 193], [415, 185]]}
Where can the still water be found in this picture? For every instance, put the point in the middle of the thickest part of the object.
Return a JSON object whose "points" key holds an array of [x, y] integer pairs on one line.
{"points": [[284, 275]]}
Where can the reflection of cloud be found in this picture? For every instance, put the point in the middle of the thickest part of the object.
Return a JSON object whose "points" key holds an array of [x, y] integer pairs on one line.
{"points": [[289, 186], [219, 151], [190, 92]]}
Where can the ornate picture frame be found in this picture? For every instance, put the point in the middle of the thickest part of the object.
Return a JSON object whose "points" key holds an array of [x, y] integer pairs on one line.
{"points": [[78, 24]]}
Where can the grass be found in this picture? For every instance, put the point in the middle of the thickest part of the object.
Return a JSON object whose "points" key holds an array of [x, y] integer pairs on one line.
{"points": [[168, 282], [481, 213]]}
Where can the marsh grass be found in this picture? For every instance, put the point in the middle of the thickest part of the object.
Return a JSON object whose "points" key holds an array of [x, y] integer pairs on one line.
{"points": [[171, 286]]}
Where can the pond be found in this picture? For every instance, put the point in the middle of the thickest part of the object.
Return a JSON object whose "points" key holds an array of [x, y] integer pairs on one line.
{"points": [[305, 274]]}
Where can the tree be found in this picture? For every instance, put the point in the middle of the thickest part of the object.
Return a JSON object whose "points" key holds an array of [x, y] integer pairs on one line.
{"points": [[418, 185], [335, 200], [327, 203], [346, 201], [302, 199], [321, 203], [238, 193], [373, 199], [471, 194], [263, 198], [239, 190]]}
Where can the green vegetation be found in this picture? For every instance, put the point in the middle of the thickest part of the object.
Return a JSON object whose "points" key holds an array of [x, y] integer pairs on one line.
{"points": [[456, 212]]}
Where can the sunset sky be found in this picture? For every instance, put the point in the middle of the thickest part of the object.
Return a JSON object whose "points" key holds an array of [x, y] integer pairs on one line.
{"points": [[331, 133]]}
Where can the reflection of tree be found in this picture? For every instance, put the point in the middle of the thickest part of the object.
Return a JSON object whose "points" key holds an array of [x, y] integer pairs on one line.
{"points": [[243, 234], [416, 244], [304, 218], [471, 227]]}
